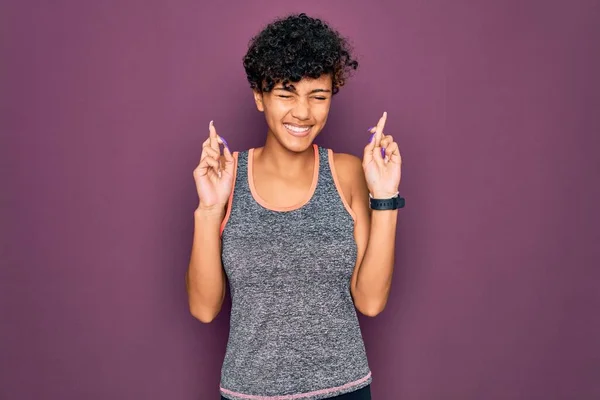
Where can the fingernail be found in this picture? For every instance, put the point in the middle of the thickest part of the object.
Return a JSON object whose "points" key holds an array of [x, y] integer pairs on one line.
{"points": [[382, 152], [371, 129], [372, 136], [224, 142]]}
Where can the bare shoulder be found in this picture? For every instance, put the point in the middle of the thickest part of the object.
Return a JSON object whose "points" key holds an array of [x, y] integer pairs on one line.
{"points": [[347, 165], [349, 171]]}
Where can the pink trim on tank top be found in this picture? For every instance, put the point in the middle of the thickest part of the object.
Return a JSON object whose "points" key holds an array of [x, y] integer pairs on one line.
{"points": [[338, 186], [228, 212], [299, 395]]}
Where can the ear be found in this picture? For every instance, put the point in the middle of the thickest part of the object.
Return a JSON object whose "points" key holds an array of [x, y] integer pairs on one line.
{"points": [[258, 99]]}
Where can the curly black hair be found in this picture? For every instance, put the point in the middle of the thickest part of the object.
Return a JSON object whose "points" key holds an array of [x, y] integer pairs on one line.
{"points": [[296, 47]]}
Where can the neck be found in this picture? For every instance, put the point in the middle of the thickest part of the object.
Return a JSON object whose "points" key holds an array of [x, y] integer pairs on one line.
{"points": [[277, 158]]}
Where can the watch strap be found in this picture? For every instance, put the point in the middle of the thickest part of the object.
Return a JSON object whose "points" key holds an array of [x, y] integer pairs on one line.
{"points": [[392, 203]]}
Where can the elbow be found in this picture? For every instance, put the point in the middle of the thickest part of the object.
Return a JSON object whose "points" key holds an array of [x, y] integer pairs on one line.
{"points": [[369, 305], [371, 309], [199, 309], [203, 315], [371, 312]]}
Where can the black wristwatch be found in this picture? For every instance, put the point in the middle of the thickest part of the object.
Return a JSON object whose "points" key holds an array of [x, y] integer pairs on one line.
{"points": [[393, 203]]}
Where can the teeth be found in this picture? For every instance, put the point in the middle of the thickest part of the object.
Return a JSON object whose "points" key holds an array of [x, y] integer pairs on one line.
{"points": [[297, 128]]}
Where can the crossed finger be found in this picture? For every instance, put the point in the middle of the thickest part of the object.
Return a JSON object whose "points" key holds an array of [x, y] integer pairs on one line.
{"points": [[213, 137], [385, 141], [209, 151], [379, 129], [392, 152]]}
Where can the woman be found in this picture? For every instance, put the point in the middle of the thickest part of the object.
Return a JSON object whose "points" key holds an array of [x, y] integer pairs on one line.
{"points": [[304, 236]]}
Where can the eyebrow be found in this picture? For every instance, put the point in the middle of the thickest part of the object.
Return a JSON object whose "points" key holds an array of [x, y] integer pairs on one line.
{"points": [[291, 88]]}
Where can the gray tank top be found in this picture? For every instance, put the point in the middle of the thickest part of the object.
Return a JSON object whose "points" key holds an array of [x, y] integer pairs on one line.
{"points": [[294, 332]]}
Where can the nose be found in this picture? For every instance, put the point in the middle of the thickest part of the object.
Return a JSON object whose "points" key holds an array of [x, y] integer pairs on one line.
{"points": [[301, 110]]}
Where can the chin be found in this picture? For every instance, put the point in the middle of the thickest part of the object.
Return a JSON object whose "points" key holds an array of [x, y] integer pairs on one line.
{"points": [[298, 146]]}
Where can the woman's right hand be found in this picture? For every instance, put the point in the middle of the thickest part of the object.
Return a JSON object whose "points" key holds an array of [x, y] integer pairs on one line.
{"points": [[214, 174]]}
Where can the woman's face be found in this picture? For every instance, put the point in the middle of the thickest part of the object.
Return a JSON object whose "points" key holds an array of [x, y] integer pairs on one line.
{"points": [[296, 114]]}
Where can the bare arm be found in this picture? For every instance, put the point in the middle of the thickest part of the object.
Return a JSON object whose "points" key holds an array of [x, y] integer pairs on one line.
{"points": [[374, 233], [205, 278]]}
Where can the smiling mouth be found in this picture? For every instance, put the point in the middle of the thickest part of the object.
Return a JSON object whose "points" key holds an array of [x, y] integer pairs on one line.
{"points": [[297, 130]]}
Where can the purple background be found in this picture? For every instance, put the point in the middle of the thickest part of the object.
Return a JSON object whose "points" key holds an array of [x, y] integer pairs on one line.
{"points": [[105, 104]]}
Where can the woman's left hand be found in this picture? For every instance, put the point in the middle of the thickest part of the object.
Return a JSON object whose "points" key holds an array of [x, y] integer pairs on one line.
{"points": [[382, 163]]}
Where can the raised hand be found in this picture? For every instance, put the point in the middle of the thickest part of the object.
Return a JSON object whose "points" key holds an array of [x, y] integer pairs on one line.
{"points": [[382, 163], [214, 174]]}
